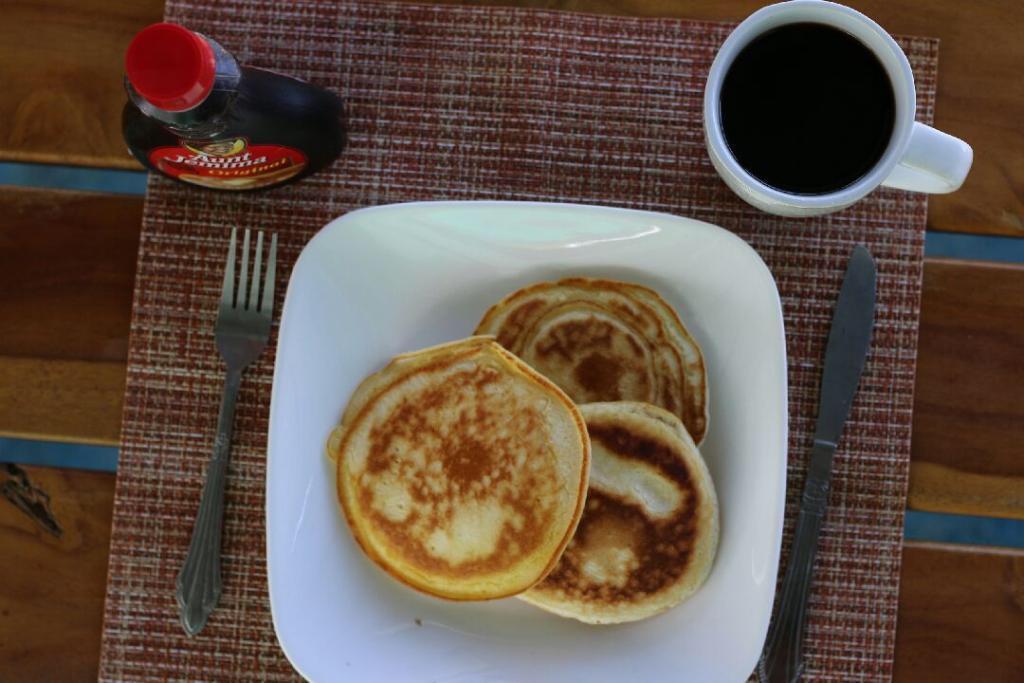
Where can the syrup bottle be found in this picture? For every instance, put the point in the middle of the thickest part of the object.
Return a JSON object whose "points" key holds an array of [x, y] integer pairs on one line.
{"points": [[196, 116]]}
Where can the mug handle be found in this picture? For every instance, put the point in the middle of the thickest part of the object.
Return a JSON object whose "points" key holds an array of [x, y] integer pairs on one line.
{"points": [[934, 162]]}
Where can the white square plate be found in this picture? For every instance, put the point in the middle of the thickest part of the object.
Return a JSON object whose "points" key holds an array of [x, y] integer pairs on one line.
{"points": [[381, 281]]}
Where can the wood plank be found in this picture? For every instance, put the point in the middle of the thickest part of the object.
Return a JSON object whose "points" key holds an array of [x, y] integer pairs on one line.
{"points": [[52, 588], [961, 615], [969, 400], [67, 266], [64, 97], [61, 400]]}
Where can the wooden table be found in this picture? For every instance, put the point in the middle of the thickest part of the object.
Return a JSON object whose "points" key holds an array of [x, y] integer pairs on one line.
{"points": [[67, 266]]}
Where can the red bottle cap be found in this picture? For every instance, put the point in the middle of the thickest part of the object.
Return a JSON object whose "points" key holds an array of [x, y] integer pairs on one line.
{"points": [[170, 66]]}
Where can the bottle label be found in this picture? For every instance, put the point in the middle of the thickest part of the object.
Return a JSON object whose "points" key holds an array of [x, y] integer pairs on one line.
{"points": [[231, 164]]}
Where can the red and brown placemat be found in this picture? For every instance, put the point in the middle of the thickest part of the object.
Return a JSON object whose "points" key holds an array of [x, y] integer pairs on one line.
{"points": [[470, 103]]}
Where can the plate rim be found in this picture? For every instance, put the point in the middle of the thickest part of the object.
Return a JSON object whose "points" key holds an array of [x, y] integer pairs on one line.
{"points": [[339, 221]]}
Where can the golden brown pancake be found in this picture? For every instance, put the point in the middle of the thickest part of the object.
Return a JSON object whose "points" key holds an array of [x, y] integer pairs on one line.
{"points": [[603, 340], [649, 531], [461, 471]]}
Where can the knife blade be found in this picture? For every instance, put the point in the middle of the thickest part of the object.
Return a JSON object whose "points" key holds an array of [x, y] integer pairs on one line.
{"points": [[849, 340], [848, 343]]}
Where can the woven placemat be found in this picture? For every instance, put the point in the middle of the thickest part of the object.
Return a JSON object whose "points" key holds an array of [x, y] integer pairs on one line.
{"points": [[468, 103]]}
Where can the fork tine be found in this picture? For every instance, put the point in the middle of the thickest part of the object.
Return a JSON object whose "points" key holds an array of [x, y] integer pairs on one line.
{"points": [[254, 289], [227, 292], [244, 277], [267, 307]]}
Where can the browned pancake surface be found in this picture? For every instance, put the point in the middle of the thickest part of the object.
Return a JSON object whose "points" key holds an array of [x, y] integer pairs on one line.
{"points": [[462, 471], [478, 462], [650, 526], [637, 554], [604, 340]]}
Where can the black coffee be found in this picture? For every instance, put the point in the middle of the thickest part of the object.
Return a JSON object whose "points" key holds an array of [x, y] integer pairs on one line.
{"points": [[807, 108]]}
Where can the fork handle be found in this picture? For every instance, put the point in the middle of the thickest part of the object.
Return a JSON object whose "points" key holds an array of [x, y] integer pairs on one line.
{"points": [[199, 583]]}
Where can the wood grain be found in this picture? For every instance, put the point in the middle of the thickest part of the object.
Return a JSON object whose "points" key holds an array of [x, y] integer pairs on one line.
{"points": [[961, 615], [67, 266], [61, 400], [969, 401], [52, 589], [63, 100], [62, 63]]}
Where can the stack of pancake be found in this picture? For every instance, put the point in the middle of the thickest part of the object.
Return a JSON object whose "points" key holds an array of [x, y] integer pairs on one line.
{"points": [[552, 456]]}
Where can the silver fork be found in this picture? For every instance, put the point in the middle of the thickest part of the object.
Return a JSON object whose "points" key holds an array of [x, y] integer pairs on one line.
{"points": [[243, 326]]}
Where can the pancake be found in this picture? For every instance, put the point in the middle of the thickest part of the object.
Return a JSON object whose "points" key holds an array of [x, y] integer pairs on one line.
{"points": [[603, 340], [461, 471], [649, 532]]}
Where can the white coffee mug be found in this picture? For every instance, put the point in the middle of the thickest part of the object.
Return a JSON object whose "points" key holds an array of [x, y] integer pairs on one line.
{"points": [[918, 157]]}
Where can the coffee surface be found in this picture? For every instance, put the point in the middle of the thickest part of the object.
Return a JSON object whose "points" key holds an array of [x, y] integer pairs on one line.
{"points": [[807, 108]]}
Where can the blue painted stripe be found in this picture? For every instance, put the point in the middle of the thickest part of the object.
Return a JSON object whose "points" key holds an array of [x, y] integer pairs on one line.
{"points": [[943, 528], [73, 178], [974, 247], [53, 454], [937, 244]]}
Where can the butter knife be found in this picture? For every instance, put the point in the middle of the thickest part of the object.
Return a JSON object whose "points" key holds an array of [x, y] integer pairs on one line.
{"points": [[848, 342]]}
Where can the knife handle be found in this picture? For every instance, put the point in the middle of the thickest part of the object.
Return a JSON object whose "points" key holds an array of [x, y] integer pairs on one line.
{"points": [[782, 658]]}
